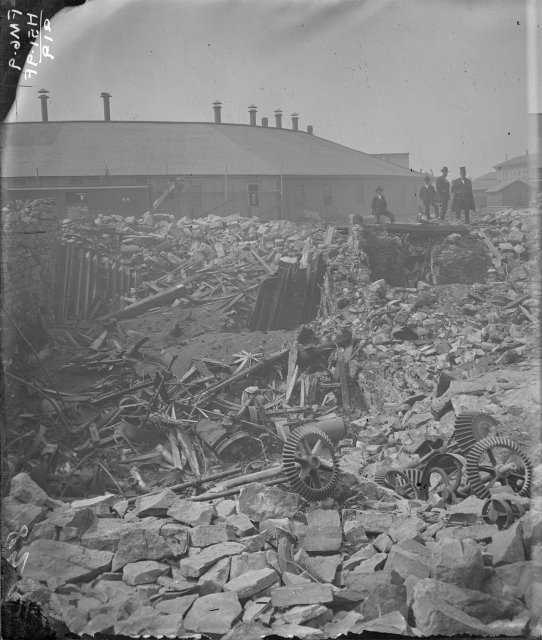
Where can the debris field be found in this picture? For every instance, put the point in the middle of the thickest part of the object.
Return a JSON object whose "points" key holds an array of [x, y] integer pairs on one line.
{"points": [[366, 458]]}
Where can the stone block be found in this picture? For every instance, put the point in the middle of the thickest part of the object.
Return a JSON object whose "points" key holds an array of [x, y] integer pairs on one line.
{"points": [[507, 546], [303, 613], [354, 532], [459, 562], [144, 572], [478, 532], [214, 580], [392, 623], [177, 606], [323, 567], [383, 599], [301, 594], [246, 562], [374, 563], [365, 553], [435, 617], [406, 529], [140, 544], [70, 563], [255, 543], [204, 535], [323, 518], [297, 631], [17, 514], [383, 543], [26, 490], [197, 565], [253, 582], [260, 502], [479, 605], [319, 539], [145, 622], [155, 505], [225, 508], [409, 558], [191, 513], [213, 614], [241, 524], [375, 522]]}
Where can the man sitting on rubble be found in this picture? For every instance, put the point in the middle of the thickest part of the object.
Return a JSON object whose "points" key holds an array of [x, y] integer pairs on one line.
{"points": [[379, 207]]}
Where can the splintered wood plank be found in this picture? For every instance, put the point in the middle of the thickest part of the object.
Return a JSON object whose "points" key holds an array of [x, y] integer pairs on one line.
{"points": [[329, 235], [174, 450], [291, 385], [292, 361], [491, 247], [342, 377], [87, 284], [99, 341], [80, 257]]}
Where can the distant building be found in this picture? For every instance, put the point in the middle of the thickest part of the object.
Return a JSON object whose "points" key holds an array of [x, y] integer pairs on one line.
{"points": [[212, 167], [510, 193], [481, 185], [528, 166]]}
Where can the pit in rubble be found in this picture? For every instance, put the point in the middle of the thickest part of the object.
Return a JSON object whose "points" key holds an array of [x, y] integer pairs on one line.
{"points": [[291, 296]]}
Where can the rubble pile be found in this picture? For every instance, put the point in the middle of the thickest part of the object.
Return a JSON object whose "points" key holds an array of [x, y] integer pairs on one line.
{"points": [[269, 563], [374, 474]]}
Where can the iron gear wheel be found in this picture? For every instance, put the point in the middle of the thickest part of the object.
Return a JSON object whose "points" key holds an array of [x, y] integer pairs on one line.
{"points": [[516, 474], [470, 427], [404, 482], [302, 463], [502, 510]]}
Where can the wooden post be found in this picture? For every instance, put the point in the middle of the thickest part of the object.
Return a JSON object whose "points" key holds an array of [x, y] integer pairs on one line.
{"points": [[87, 285], [342, 378]]}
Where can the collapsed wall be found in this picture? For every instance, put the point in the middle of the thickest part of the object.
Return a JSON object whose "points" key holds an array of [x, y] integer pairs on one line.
{"points": [[386, 257], [455, 261], [30, 238]]}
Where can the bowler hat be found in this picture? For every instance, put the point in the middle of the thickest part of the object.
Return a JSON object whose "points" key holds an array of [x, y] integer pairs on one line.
{"points": [[378, 189], [444, 169]]}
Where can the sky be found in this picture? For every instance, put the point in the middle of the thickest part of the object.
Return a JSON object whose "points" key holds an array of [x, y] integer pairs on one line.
{"points": [[447, 80]]}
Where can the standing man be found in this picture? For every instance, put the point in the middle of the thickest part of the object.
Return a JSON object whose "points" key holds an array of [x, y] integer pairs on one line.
{"points": [[443, 192], [427, 196], [379, 207], [463, 198]]}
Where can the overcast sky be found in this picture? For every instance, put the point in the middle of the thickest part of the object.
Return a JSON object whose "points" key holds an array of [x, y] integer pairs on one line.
{"points": [[445, 80]]}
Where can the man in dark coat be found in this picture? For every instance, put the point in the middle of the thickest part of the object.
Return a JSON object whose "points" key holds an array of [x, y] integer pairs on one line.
{"points": [[427, 196], [379, 207], [443, 192], [463, 198]]}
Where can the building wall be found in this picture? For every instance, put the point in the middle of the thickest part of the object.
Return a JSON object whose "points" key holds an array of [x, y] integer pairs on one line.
{"points": [[29, 256], [515, 195]]}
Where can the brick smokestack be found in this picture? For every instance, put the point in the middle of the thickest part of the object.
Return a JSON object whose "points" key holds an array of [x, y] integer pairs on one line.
{"points": [[278, 118], [107, 109], [217, 106], [44, 97], [265, 122], [295, 121], [309, 129]]}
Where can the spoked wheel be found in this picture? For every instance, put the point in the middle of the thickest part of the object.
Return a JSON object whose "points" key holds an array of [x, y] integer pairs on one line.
{"points": [[309, 463], [403, 483], [502, 511], [472, 426], [442, 475], [498, 462]]}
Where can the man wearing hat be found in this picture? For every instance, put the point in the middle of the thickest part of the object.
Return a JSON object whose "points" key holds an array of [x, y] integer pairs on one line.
{"points": [[443, 192], [427, 196], [463, 198], [379, 206]]}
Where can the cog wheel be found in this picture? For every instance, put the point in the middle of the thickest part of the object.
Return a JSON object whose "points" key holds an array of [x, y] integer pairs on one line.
{"points": [[309, 463], [404, 482], [493, 460], [470, 427], [502, 511]]}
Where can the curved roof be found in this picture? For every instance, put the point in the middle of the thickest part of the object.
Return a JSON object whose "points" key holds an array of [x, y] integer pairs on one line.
{"points": [[143, 148]]}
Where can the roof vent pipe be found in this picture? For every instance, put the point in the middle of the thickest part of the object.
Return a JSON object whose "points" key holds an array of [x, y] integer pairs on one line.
{"points": [[265, 122], [252, 111], [107, 110], [309, 129], [44, 97], [295, 121], [278, 118], [217, 106]]}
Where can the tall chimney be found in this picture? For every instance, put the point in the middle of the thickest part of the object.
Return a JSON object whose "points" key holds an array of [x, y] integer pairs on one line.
{"points": [[252, 110], [309, 129], [278, 118], [217, 106], [295, 121], [44, 97], [265, 122], [107, 110]]}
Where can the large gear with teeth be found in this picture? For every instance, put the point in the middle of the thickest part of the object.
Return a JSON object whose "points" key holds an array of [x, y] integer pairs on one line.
{"points": [[470, 427], [486, 466], [309, 463]]}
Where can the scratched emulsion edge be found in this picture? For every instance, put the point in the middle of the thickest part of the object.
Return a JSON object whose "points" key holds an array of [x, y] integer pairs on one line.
{"points": [[18, 620]]}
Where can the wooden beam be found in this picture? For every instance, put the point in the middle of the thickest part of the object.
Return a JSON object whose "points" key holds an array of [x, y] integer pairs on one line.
{"points": [[342, 378]]}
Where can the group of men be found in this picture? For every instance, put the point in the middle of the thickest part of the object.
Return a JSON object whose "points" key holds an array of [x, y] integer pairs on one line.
{"points": [[437, 198]]}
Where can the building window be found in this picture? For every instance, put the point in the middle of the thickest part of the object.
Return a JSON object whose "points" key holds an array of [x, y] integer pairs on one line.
{"points": [[195, 197], [327, 194], [360, 195], [253, 195], [299, 195]]}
